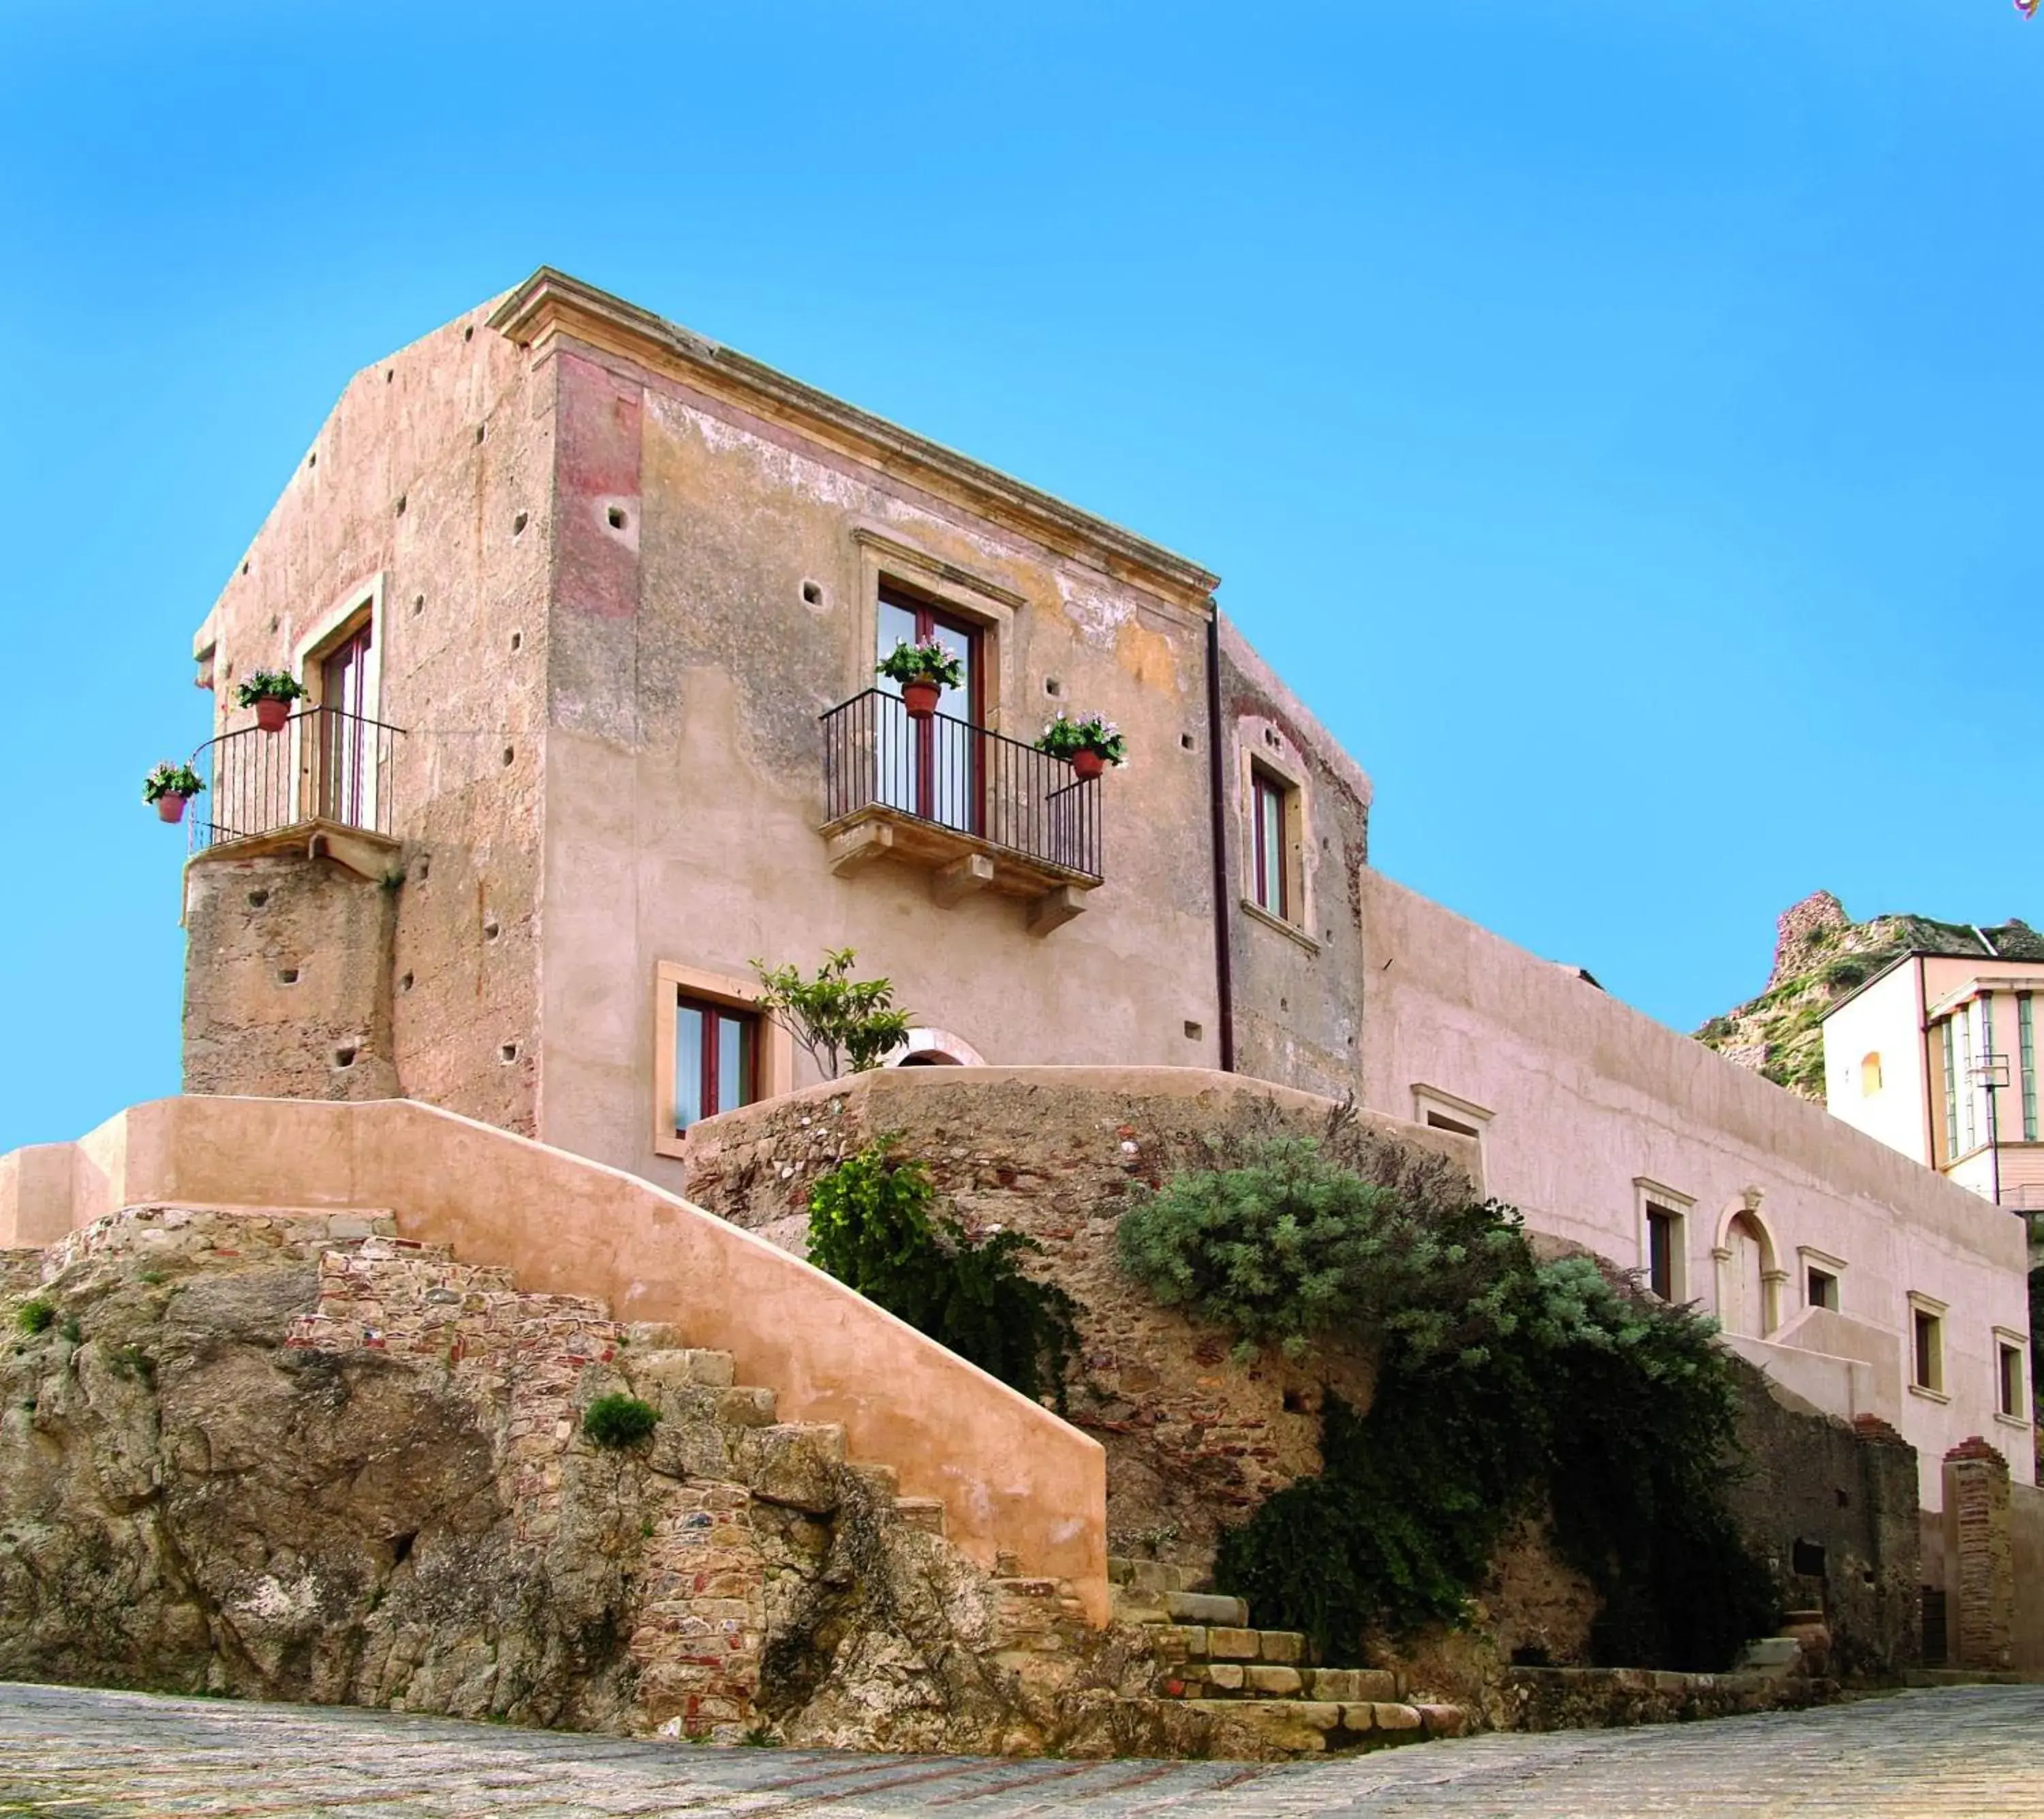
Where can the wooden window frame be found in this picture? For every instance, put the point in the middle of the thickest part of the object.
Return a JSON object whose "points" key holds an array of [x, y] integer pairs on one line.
{"points": [[2008, 1345], [929, 614], [773, 1051], [1928, 1382], [1655, 1201], [1266, 868]]}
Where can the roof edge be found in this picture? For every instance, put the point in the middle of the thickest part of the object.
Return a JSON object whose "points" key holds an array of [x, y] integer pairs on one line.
{"points": [[551, 301]]}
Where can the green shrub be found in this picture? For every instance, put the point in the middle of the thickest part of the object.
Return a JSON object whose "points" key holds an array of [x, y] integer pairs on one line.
{"points": [[35, 1316], [1504, 1387], [1290, 1245], [619, 1421], [838, 1019], [872, 1227]]}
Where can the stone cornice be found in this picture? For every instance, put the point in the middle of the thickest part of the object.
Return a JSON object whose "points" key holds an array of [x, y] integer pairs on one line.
{"points": [[551, 303]]}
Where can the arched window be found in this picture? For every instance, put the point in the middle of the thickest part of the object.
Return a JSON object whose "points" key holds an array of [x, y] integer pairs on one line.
{"points": [[1869, 1075]]}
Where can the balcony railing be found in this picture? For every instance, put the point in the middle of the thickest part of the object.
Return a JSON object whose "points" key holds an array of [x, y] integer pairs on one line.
{"points": [[949, 775], [326, 765]]}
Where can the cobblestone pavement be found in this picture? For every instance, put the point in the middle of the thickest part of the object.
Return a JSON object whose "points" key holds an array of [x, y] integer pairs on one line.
{"points": [[1970, 1751]]}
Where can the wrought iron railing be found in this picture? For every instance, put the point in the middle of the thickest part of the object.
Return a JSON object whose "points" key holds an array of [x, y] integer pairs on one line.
{"points": [[953, 774], [324, 764]]}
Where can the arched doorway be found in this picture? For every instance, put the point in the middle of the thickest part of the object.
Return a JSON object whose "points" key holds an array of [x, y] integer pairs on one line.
{"points": [[934, 1048], [1749, 1277]]}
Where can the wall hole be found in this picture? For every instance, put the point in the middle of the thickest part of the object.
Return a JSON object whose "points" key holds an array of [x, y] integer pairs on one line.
{"points": [[1270, 738], [1806, 1558], [425, 867], [418, 604], [404, 983], [1844, 1503], [344, 1057], [813, 594], [478, 432], [1193, 1031], [312, 460], [400, 1547], [245, 568], [507, 1051], [401, 505], [287, 976], [275, 622], [257, 899], [491, 928], [468, 334], [616, 515], [518, 638], [509, 754], [518, 525], [1185, 742], [389, 373]]}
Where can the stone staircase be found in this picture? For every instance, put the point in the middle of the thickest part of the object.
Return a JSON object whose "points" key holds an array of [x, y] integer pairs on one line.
{"points": [[1209, 1656]]}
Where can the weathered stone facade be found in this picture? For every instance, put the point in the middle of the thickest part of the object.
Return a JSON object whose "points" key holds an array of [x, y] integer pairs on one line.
{"points": [[1979, 1563], [1194, 1439]]}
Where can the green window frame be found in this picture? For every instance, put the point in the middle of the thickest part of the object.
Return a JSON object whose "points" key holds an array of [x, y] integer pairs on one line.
{"points": [[2026, 1042]]}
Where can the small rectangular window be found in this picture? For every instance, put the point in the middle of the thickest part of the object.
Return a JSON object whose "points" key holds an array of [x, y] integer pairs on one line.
{"points": [[1440, 1121], [1268, 805], [716, 1060], [2010, 1384], [1661, 1226], [1928, 1359], [1823, 1290]]}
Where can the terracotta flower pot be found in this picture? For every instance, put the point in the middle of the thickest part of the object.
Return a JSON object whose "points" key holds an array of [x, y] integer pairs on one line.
{"points": [[1809, 1628], [1088, 764], [271, 714], [920, 697], [170, 806]]}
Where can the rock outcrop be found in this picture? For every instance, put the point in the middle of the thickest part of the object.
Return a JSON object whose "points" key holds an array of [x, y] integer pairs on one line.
{"points": [[1822, 955], [297, 1457]]}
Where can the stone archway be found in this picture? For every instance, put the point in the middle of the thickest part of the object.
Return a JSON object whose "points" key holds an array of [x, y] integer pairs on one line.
{"points": [[1750, 1276], [934, 1048]]}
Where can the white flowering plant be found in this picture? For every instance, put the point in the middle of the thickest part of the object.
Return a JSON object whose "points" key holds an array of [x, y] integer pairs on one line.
{"points": [[929, 662], [169, 779], [1063, 737]]}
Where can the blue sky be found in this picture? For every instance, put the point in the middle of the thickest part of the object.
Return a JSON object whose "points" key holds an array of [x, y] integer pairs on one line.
{"points": [[1622, 422]]}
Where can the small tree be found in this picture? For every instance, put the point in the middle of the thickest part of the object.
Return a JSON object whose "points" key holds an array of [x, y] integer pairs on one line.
{"points": [[836, 1018]]}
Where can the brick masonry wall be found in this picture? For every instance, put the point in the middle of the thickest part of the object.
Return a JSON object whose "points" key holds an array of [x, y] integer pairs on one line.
{"points": [[1980, 1563]]}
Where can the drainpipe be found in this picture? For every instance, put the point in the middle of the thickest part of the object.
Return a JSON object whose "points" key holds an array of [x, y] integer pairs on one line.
{"points": [[1223, 960]]}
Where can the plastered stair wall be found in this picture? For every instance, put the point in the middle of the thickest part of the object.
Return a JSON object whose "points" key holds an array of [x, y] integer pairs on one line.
{"points": [[1209, 1657]]}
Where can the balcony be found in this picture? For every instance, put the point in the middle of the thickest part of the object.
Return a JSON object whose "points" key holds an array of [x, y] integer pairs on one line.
{"points": [[978, 811], [324, 785]]}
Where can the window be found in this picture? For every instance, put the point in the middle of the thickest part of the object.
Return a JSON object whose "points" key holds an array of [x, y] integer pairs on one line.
{"points": [[930, 768], [716, 1059], [2008, 1383], [1928, 1347], [1270, 801], [1439, 1110], [2026, 1037], [1663, 1225], [1965, 1020], [1663, 1229], [1869, 1075], [1821, 1288], [1951, 1089], [348, 754], [713, 1052]]}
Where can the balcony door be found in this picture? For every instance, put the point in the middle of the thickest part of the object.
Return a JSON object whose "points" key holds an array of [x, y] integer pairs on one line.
{"points": [[348, 745], [930, 768]]}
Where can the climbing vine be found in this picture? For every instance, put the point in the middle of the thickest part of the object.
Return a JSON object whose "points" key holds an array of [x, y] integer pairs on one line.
{"points": [[873, 1227], [1504, 1386]]}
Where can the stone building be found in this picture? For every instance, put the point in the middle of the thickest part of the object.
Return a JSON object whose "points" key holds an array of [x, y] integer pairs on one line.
{"points": [[587, 609]]}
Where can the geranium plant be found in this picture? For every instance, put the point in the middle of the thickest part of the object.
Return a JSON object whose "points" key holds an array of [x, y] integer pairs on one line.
{"points": [[1066, 737], [929, 662], [169, 779], [270, 685]]}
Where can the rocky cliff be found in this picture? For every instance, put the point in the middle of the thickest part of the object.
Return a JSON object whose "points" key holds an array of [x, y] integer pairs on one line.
{"points": [[1820, 956]]}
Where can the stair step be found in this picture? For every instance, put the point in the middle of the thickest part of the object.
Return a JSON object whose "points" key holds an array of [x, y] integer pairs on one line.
{"points": [[1203, 1606], [678, 1364], [923, 1513]]}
